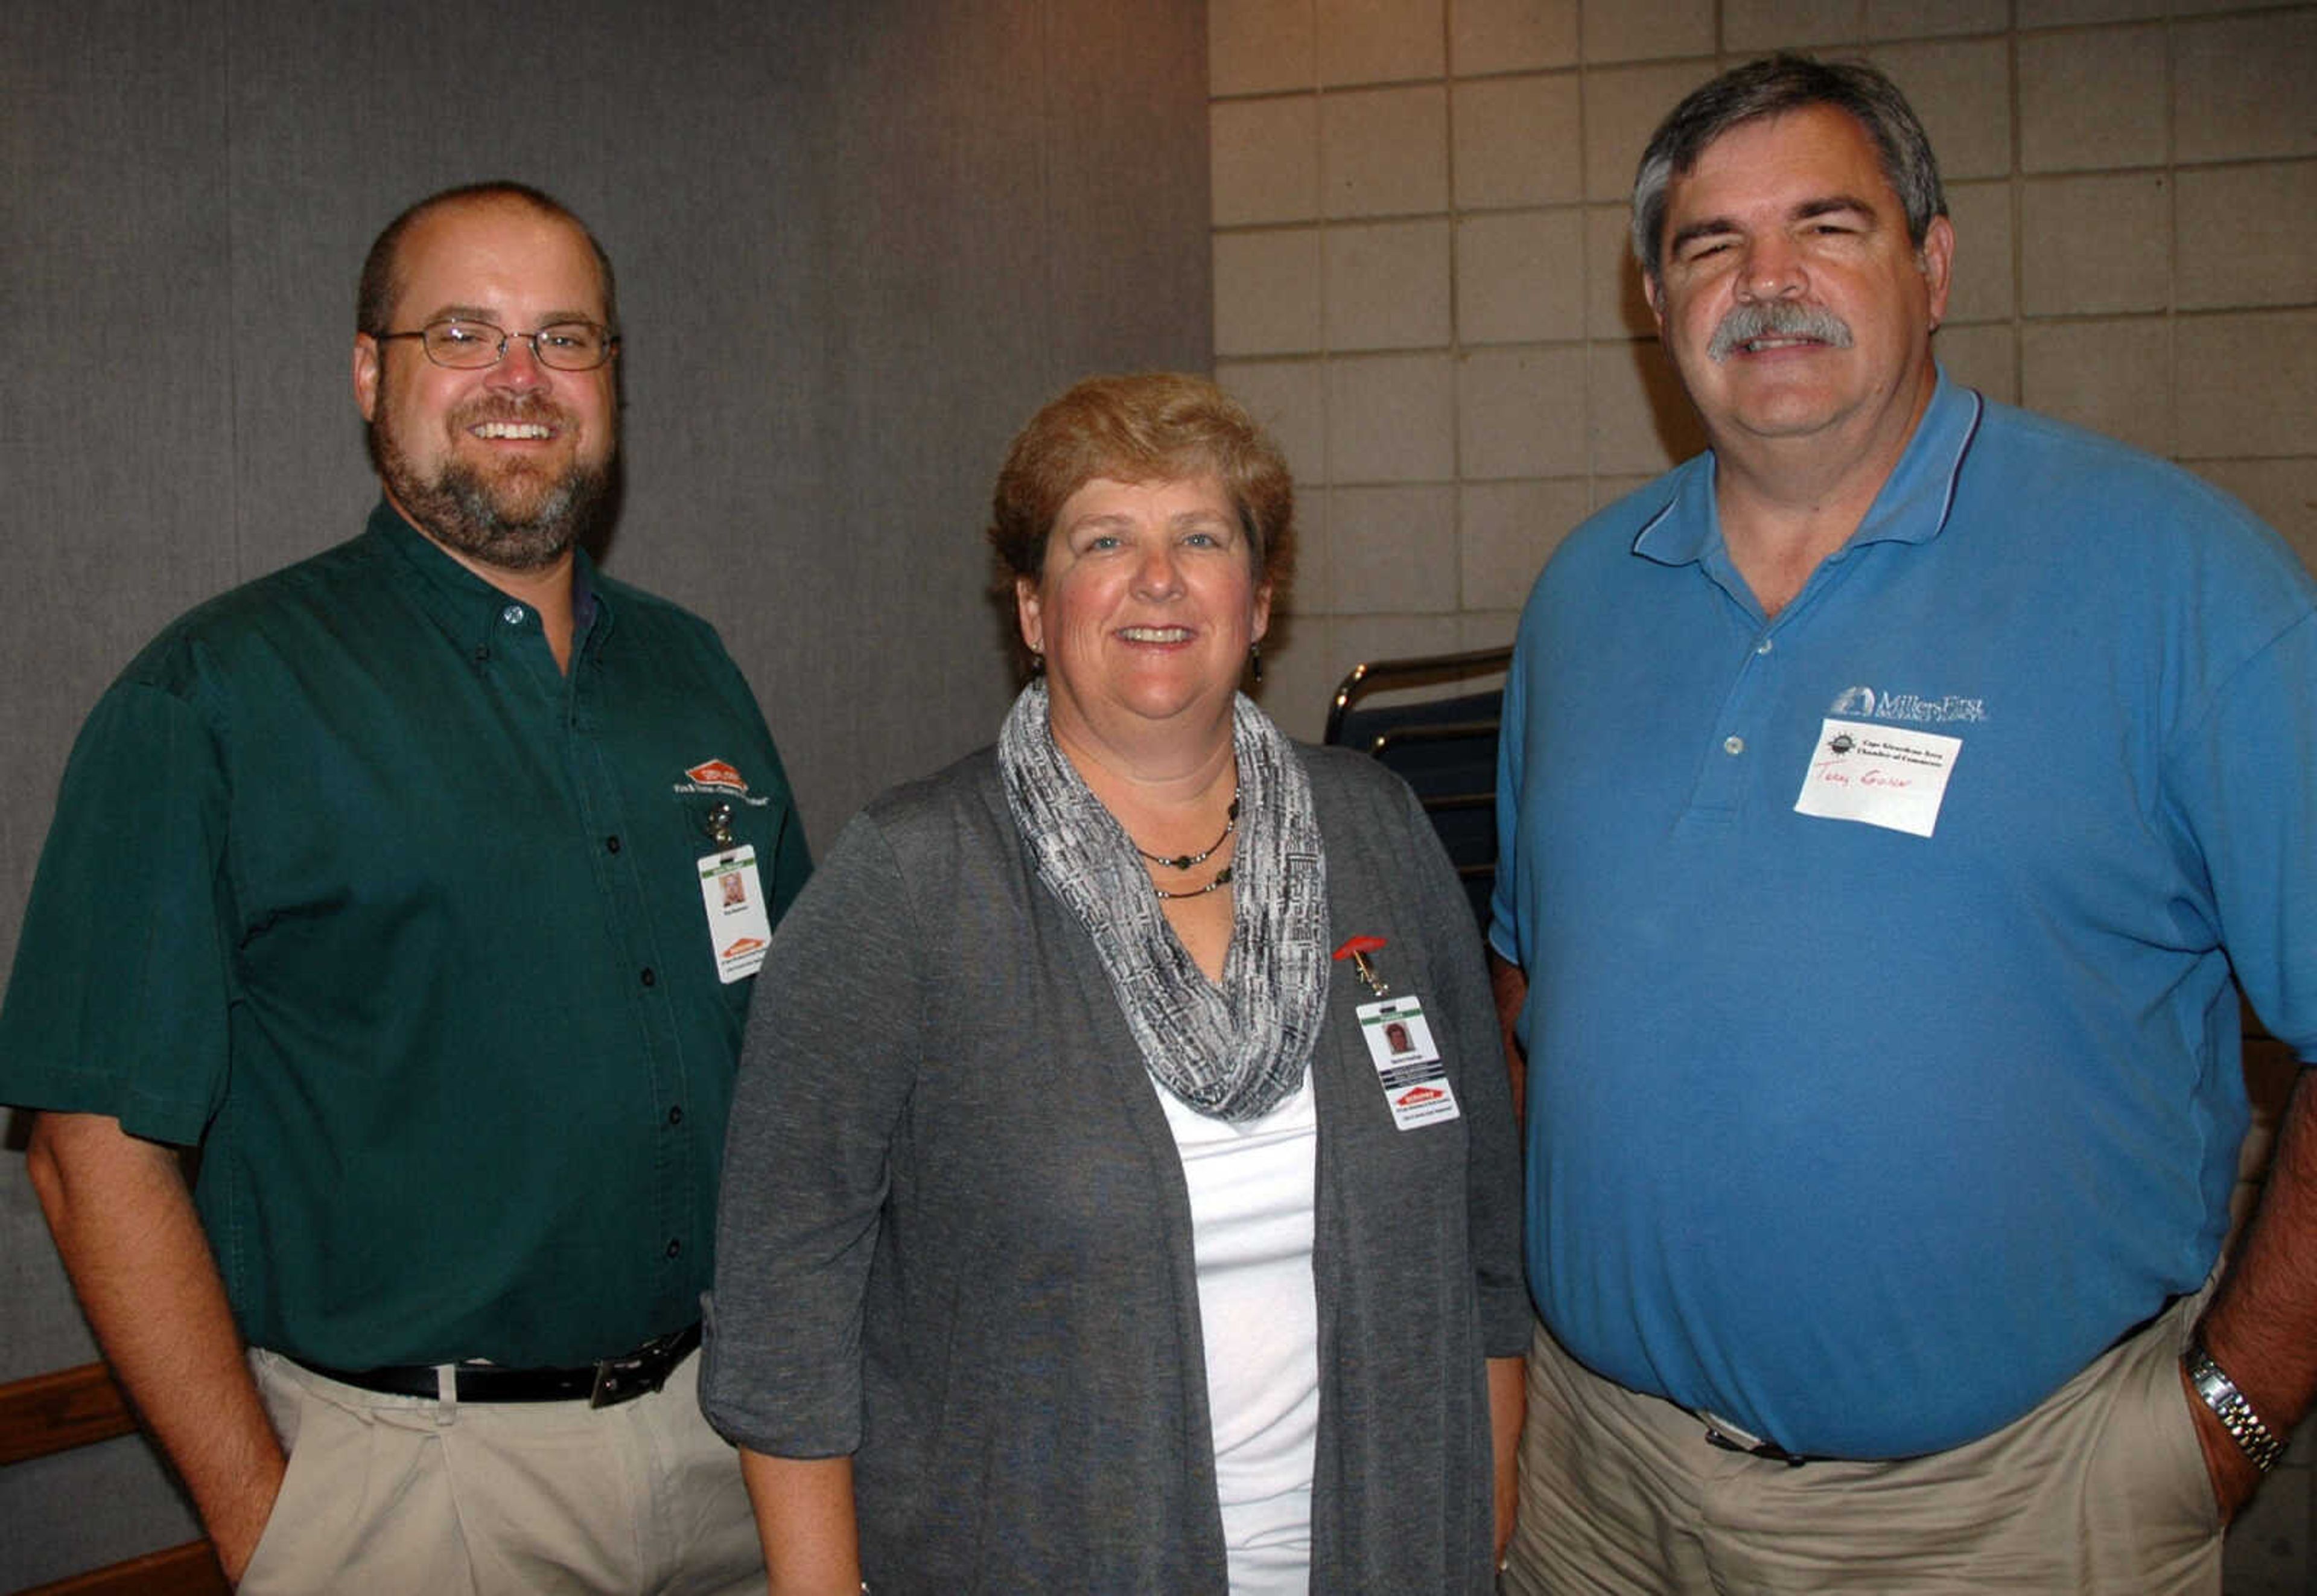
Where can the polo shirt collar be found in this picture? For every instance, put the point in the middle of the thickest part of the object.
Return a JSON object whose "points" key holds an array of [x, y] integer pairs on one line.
{"points": [[1912, 508], [464, 605]]}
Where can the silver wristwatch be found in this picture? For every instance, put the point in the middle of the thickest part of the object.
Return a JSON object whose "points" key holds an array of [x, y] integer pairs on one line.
{"points": [[2230, 1407]]}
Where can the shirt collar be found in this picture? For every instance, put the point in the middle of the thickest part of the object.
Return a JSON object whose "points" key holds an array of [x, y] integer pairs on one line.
{"points": [[463, 605], [1912, 507]]}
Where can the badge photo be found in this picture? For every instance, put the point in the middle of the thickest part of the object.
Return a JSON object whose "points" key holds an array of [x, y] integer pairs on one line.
{"points": [[740, 930]]}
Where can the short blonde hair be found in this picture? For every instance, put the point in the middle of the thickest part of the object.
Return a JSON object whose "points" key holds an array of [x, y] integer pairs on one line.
{"points": [[1147, 426]]}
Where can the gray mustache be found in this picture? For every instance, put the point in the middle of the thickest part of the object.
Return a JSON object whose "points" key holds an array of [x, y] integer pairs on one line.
{"points": [[1778, 318]]}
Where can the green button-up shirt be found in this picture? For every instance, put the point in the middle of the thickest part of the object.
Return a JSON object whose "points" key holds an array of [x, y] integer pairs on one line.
{"points": [[351, 887]]}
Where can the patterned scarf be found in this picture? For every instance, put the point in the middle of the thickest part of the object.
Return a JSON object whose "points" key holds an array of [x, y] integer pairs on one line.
{"points": [[1235, 1051]]}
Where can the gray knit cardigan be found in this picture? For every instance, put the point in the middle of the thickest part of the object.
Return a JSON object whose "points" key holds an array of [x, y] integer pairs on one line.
{"points": [[955, 1239]]}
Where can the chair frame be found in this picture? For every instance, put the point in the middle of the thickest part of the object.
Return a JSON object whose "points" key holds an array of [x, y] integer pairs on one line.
{"points": [[44, 1414]]}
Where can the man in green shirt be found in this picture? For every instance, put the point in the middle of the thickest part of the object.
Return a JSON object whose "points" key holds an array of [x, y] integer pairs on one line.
{"points": [[420, 886]]}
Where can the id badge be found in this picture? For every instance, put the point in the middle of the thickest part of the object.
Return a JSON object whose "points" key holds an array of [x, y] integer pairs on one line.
{"points": [[739, 928], [1892, 777], [1407, 1065]]}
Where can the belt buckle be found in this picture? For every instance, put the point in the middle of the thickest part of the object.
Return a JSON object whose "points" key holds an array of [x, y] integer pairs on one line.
{"points": [[611, 1387], [1720, 1432], [624, 1379]]}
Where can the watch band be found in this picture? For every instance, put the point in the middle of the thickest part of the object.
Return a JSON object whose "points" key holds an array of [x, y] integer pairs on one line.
{"points": [[2230, 1407]]}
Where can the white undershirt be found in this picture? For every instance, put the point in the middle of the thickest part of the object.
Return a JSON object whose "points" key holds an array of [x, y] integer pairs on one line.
{"points": [[1251, 1206]]}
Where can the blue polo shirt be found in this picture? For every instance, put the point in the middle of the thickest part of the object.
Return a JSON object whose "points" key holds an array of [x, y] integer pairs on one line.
{"points": [[351, 887], [1869, 1136]]}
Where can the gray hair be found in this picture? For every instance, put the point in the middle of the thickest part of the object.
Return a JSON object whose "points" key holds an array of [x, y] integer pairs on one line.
{"points": [[1772, 86]]}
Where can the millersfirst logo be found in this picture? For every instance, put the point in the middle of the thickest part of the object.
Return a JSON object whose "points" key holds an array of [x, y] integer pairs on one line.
{"points": [[1416, 1097], [1865, 704], [744, 944]]}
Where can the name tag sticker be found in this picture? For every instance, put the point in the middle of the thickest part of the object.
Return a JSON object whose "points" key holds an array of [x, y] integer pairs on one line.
{"points": [[739, 928], [1884, 775], [1415, 1081]]}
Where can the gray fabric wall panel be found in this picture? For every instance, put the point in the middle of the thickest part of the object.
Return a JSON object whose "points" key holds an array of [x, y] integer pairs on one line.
{"points": [[1113, 271], [116, 456], [113, 273], [857, 244], [904, 350]]}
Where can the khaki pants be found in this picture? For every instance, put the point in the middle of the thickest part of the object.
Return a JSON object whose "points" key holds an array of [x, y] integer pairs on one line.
{"points": [[2100, 1489], [391, 1494]]}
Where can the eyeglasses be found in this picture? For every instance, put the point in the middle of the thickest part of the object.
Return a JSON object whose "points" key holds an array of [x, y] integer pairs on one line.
{"points": [[466, 345]]}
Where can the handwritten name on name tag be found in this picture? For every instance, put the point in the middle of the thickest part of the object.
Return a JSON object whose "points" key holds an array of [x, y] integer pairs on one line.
{"points": [[1882, 776]]}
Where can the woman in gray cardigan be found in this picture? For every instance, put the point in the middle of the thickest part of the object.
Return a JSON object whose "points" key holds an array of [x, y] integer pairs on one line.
{"points": [[1122, 1192]]}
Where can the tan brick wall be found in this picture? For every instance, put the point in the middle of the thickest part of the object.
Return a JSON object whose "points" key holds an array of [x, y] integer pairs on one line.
{"points": [[1421, 279]]}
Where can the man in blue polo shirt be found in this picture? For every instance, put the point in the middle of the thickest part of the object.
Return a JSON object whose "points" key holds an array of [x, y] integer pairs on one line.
{"points": [[420, 887], [1887, 798]]}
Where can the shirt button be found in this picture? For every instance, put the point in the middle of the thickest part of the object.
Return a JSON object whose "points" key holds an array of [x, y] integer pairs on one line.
{"points": [[673, 1248], [1733, 744], [512, 614], [1763, 647], [675, 1114], [649, 977], [611, 845]]}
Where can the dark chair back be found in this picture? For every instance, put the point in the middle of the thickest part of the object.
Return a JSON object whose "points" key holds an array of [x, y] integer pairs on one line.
{"points": [[1444, 746]]}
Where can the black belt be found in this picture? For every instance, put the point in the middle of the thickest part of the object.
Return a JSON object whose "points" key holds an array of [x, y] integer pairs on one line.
{"points": [[1717, 1435], [602, 1384]]}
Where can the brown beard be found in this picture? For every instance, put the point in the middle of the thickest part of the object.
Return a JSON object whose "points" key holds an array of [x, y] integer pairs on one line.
{"points": [[520, 520]]}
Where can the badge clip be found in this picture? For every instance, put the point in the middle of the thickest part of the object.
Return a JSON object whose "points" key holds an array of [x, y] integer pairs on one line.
{"points": [[718, 824], [1356, 949]]}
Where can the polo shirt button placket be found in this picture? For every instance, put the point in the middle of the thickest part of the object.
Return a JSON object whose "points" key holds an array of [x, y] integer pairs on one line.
{"points": [[1732, 744]]}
